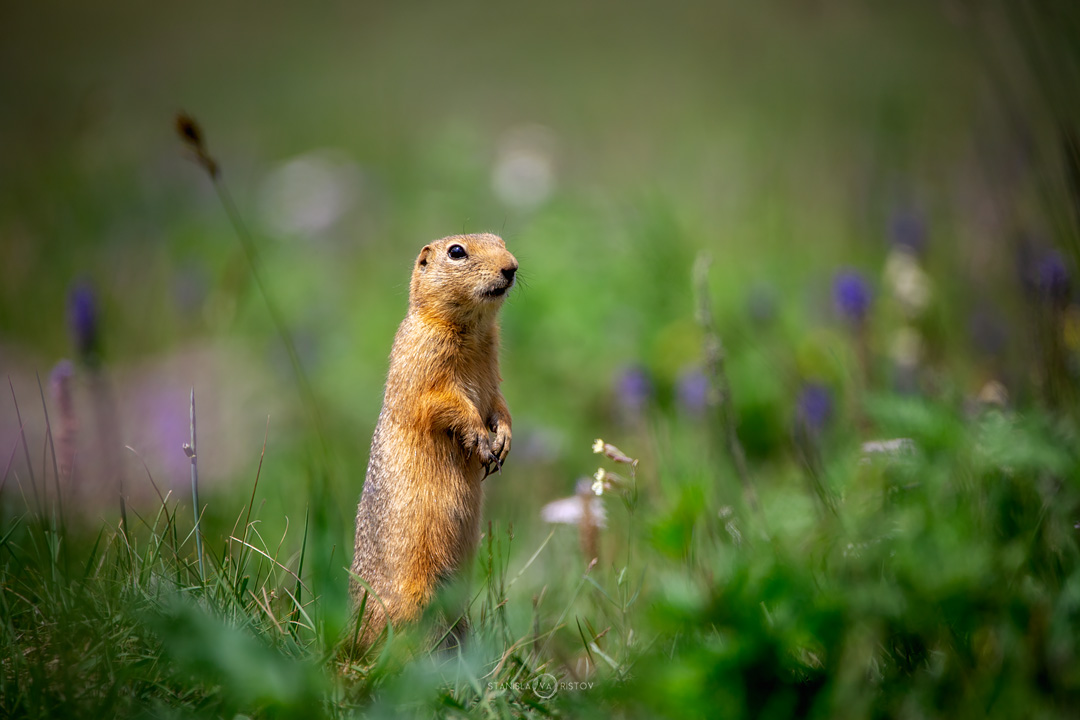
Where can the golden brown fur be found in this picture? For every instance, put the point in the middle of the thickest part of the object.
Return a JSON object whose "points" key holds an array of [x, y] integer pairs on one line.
{"points": [[444, 424]]}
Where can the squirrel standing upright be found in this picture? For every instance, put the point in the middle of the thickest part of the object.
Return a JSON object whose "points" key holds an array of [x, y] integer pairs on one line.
{"points": [[443, 428]]}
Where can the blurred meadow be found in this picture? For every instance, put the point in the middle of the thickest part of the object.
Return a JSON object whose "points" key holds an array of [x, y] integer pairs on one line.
{"points": [[809, 264]]}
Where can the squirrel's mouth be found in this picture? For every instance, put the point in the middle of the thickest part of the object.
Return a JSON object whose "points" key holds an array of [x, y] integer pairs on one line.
{"points": [[498, 291]]}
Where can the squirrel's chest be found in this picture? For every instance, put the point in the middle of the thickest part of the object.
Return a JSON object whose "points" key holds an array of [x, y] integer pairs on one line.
{"points": [[479, 385], [474, 370]]}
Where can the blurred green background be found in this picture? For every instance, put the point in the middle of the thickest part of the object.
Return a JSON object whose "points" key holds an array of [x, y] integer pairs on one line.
{"points": [[781, 140], [610, 145]]}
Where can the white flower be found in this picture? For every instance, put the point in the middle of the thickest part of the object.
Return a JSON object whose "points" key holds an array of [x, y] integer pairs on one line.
{"points": [[571, 511], [598, 446], [598, 487], [896, 446], [308, 194], [524, 172], [908, 281]]}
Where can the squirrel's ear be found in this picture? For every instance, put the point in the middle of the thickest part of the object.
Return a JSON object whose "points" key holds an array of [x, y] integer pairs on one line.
{"points": [[422, 260]]}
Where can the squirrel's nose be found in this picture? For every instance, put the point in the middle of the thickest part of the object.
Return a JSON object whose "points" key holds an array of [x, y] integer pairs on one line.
{"points": [[508, 273]]}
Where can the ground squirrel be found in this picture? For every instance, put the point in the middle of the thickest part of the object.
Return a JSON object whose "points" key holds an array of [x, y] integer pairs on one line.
{"points": [[443, 428]]}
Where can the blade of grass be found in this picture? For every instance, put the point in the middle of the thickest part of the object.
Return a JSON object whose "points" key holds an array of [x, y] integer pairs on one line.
{"points": [[14, 526], [26, 447], [300, 565], [52, 448], [11, 459], [251, 503], [585, 643], [295, 575]]}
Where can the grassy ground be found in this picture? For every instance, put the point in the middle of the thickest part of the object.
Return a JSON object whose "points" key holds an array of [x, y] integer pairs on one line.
{"points": [[809, 265]]}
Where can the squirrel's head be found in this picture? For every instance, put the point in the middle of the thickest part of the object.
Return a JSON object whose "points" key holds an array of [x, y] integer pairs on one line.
{"points": [[462, 276]]}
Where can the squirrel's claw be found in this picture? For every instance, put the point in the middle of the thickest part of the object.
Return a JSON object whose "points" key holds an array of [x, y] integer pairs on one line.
{"points": [[501, 446], [492, 445], [487, 468]]}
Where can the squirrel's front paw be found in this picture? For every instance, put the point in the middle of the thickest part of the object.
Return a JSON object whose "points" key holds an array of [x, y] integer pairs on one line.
{"points": [[478, 442]]}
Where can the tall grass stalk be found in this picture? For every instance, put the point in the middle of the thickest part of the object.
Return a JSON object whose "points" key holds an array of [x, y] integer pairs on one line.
{"points": [[719, 397], [192, 136], [191, 451]]}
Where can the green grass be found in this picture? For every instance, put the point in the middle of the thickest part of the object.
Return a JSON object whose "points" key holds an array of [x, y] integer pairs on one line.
{"points": [[944, 581]]}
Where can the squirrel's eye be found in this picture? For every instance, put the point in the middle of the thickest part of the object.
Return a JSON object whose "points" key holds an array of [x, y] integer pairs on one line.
{"points": [[456, 252]]}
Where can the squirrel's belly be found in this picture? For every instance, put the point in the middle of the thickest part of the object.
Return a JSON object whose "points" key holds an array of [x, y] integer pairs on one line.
{"points": [[431, 497]]}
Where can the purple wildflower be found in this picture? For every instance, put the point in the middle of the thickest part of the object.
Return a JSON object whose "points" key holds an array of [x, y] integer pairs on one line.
{"points": [[60, 382], [692, 392], [1051, 277], [62, 373], [1044, 274], [83, 321], [851, 296], [633, 389], [814, 406]]}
